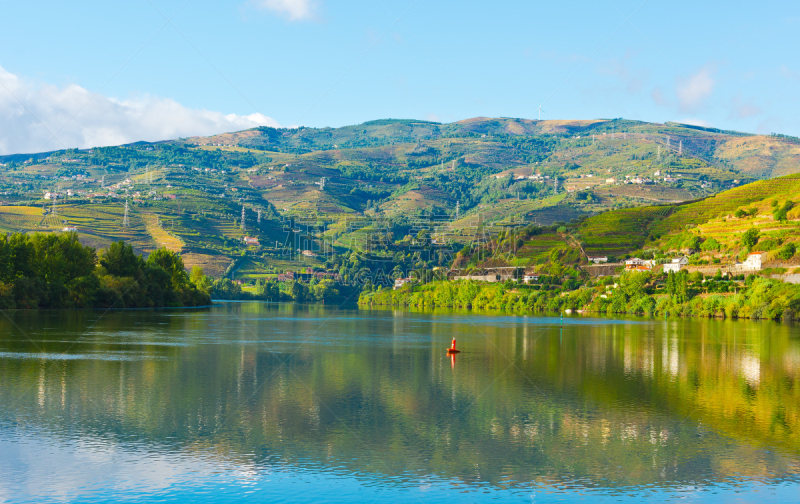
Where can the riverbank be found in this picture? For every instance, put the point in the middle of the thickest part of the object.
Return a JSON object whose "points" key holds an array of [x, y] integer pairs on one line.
{"points": [[632, 294], [57, 271]]}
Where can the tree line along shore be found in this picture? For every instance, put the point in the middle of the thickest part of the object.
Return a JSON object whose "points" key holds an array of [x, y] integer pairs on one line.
{"points": [[632, 293]]}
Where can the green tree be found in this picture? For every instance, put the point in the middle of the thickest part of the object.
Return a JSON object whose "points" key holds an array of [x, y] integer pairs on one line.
{"points": [[120, 260], [172, 263], [780, 213], [299, 292], [750, 237], [268, 289], [787, 251]]}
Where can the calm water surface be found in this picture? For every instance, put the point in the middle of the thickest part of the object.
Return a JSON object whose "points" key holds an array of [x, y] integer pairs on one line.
{"points": [[265, 402]]}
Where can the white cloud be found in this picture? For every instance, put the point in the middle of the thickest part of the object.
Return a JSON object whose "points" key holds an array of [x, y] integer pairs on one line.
{"points": [[30, 113], [693, 91], [658, 97], [296, 10], [621, 68], [741, 109], [695, 122]]}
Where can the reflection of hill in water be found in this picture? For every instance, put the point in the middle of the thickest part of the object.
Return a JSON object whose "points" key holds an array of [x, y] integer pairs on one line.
{"points": [[604, 404]]}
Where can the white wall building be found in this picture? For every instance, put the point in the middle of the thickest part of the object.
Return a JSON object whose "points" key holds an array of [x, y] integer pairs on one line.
{"points": [[676, 264], [636, 263], [753, 262]]}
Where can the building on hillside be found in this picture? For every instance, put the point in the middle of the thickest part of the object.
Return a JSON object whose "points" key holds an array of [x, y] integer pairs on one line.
{"points": [[291, 276], [676, 264], [639, 264], [249, 240], [487, 277], [400, 282], [326, 275], [308, 253], [70, 229], [530, 278], [498, 274], [598, 259], [754, 262]]}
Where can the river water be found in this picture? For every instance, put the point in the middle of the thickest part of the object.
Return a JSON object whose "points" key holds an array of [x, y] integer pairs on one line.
{"points": [[276, 402]]}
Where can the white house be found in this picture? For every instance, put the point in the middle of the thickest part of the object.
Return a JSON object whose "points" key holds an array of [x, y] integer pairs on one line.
{"points": [[400, 282], [250, 241], [530, 278], [598, 259], [676, 264], [638, 264], [753, 262], [70, 229]]}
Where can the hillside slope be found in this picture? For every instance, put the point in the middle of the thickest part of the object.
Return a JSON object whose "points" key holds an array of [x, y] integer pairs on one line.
{"points": [[480, 174]]}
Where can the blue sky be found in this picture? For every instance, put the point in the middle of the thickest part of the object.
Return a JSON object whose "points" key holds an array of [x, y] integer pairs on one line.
{"points": [[106, 72]]}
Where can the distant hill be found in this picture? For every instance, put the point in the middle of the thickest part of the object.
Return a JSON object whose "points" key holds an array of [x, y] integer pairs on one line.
{"points": [[498, 172]]}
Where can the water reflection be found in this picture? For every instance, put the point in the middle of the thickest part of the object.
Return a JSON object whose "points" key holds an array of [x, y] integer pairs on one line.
{"points": [[245, 390]]}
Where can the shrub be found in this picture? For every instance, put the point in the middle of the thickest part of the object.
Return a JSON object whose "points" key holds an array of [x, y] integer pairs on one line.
{"points": [[787, 251], [780, 212], [710, 245]]}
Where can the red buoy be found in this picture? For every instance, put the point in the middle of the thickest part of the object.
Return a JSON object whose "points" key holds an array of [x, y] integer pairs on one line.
{"points": [[452, 348]]}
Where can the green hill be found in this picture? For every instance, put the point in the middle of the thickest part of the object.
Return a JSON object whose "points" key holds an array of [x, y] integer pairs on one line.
{"points": [[499, 172]]}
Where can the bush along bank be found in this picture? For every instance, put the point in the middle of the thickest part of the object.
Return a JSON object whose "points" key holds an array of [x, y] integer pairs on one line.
{"points": [[57, 271], [635, 293]]}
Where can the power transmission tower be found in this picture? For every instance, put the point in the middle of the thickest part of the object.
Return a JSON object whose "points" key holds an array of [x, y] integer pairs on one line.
{"points": [[658, 156], [458, 203], [667, 142], [259, 216], [555, 185], [125, 217], [680, 148], [55, 198], [243, 226]]}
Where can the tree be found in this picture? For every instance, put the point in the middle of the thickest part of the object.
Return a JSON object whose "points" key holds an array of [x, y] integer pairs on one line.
{"points": [[750, 237], [199, 279], [120, 260], [787, 251], [268, 289], [299, 292], [710, 245], [172, 263], [682, 286]]}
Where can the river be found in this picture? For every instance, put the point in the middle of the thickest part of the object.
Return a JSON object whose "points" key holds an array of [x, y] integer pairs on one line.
{"points": [[254, 401]]}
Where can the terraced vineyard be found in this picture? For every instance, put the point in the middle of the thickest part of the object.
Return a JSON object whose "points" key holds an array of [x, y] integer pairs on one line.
{"points": [[14, 218], [156, 230], [726, 203], [537, 249], [620, 231]]}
